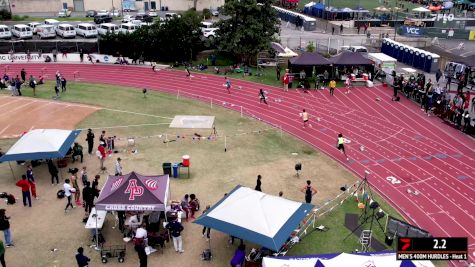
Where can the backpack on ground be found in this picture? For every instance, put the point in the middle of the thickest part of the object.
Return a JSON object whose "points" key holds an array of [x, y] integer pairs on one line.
{"points": [[60, 194]]}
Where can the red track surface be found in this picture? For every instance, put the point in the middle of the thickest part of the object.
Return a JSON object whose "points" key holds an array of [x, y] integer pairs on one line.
{"points": [[421, 152]]}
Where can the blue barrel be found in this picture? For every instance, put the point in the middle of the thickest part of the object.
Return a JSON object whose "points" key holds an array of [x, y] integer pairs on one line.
{"points": [[175, 169]]}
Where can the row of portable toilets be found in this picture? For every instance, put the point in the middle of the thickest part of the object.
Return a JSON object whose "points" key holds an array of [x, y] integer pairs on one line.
{"points": [[417, 58], [309, 24]]}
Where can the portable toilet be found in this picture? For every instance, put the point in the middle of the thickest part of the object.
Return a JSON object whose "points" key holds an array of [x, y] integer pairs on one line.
{"points": [[417, 57], [309, 24], [422, 61], [410, 57], [384, 46], [394, 50], [400, 55], [427, 62], [435, 63], [405, 58]]}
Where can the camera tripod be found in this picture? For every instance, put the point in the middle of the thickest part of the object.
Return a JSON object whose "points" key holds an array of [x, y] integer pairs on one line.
{"points": [[365, 216]]}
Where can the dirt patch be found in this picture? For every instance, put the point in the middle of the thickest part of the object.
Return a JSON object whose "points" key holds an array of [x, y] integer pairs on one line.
{"points": [[21, 114]]}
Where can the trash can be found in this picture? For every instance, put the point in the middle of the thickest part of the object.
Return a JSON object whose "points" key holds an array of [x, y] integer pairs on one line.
{"points": [[167, 168], [175, 169]]}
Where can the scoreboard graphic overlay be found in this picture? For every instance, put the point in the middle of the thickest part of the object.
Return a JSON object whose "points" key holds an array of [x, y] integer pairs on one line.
{"points": [[432, 248]]}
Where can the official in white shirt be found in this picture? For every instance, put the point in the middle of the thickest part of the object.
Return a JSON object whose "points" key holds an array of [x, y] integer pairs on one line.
{"points": [[118, 167]]}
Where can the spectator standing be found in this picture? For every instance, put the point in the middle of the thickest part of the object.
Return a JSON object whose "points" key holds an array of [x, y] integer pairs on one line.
{"points": [[286, 80], [90, 140], [239, 256], [23, 75], [258, 183], [88, 195], [81, 259], [63, 84], [84, 175], [277, 70], [139, 246], [102, 138], [102, 154], [185, 206], [17, 84], [68, 190], [81, 55], [75, 185], [175, 229], [194, 205], [206, 230], [31, 180], [25, 190], [118, 167], [5, 227], [53, 171], [438, 75], [2, 254], [309, 191], [32, 84]]}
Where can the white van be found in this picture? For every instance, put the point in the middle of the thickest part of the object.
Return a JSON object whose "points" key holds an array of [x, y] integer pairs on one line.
{"points": [[45, 31], [66, 30], [33, 26], [359, 49], [5, 32], [22, 31], [86, 30], [53, 22], [105, 28], [128, 28]]}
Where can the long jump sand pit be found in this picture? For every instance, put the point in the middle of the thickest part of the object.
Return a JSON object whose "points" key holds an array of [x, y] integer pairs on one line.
{"points": [[21, 114]]}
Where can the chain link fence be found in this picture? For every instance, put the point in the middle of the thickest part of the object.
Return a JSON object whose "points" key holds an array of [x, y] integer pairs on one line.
{"points": [[48, 46]]}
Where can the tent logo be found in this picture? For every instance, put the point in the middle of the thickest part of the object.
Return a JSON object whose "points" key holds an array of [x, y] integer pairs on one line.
{"points": [[133, 189], [151, 184], [369, 264], [116, 184]]}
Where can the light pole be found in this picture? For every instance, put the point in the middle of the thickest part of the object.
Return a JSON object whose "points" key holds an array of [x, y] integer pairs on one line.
{"points": [[395, 22]]}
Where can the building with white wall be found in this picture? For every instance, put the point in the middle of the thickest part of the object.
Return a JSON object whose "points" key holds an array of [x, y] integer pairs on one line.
{"points": [[27, 6]]}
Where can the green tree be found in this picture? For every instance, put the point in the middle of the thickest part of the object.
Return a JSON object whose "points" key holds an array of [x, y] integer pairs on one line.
{"points": [[250, 28]]}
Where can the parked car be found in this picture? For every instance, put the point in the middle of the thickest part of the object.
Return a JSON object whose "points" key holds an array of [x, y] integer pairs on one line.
{"points": [[99, 19], [215, 12], [33, 26], [114, 13], [152, 14], [86, 30], [209, 32], [128, 18], [135, 22], [169, 16], [359, 49], [22, 31], [144, 18], [103, 12], [5, 32], [106, 28], [46, 31], [63, 13], [91, 13], [53, 22], [128, 28], [66, 30]]}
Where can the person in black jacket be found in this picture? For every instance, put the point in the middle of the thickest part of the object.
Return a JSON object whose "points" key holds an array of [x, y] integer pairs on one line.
{"points": [[53, 171], [90, 140], [23, 75], [88, 195]]}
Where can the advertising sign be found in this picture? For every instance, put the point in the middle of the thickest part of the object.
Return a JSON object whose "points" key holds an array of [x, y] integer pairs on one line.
{"points": [[471, 36], [412, 31]]}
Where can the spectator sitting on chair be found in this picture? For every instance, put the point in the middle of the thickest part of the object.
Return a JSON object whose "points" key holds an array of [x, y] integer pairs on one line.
{"points": [[77, 151]]}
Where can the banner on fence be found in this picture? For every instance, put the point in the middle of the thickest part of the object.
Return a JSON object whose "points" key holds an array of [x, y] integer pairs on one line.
{"points": [[412, 31], [60, 58]]}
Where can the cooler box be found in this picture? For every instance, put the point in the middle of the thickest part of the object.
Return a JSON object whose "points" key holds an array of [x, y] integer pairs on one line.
{"points": [[365, 76], [175, 169], [353, 77], [186, 161]]}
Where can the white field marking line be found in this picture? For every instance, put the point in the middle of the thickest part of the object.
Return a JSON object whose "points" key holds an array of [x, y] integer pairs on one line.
{"points": [[414, 183], [137, 113], [442, 141], [343, 163], [11, 102], [4, 129], [417, 141], [391, 136], [18, 107], [434, 213], [125, 126]]}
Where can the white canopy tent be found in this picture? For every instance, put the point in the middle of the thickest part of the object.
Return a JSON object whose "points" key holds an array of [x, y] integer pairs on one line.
{"points": [[420, 9]]}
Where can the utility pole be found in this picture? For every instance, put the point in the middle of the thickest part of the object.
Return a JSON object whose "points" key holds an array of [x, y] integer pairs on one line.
{"points": [[395, 22]]}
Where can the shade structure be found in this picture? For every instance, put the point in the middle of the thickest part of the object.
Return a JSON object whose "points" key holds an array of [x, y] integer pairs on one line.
{"points": [[309, 59], [277, 47], [41, 144], [134, 192], [288, 53], [384, 258], [381, 8], [350, 58], [420, 9], [469, 61], [257, 217]]}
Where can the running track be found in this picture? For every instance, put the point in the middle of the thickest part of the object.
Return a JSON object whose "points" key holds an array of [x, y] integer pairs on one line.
{"points": [[420, 152]]}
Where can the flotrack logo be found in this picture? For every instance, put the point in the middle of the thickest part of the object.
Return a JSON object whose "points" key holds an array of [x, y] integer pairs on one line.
{"points": [[133, 189], [443, 17]]}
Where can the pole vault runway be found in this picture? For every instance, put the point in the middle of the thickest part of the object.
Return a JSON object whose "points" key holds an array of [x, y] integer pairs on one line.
{"points": [[404, 149]]}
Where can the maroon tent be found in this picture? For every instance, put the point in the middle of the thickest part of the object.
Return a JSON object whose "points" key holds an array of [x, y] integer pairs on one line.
{"points": [[134, 192]]}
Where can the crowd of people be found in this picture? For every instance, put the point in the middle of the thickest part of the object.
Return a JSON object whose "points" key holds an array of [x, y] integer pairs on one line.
{"points": [[435, 97]]}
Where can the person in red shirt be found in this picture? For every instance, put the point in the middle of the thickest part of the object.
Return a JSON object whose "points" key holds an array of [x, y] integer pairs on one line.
{"points": [[102, 152], [25, 189], [286, 80]]}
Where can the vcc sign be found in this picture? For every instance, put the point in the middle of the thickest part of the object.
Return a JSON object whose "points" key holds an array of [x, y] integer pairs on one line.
{"points": [[412, 31]]}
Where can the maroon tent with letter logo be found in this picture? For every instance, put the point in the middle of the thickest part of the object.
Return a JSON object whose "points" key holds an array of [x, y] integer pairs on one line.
{"points": [[134, 192]]}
